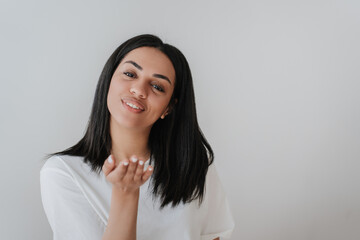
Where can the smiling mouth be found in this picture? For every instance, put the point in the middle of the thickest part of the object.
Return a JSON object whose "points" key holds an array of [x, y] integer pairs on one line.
{"points": [[133, 106]]}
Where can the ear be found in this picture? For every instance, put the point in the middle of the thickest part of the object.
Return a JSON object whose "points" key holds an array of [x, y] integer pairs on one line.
{"points": [[168, 109], [165, 113]]}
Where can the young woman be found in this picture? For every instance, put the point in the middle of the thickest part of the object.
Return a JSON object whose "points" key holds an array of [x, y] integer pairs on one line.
{"points": [[143, 169]]}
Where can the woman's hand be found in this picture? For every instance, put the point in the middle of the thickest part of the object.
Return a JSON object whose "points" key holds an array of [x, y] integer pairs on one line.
{"points": [[128, 175]]}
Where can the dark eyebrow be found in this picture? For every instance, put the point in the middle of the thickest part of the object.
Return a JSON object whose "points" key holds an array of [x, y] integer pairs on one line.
{"points": [[155, 74], [161, 76], [135, 64]]}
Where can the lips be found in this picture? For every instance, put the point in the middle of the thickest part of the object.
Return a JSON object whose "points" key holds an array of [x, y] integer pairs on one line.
{"points": [[133, 103]]}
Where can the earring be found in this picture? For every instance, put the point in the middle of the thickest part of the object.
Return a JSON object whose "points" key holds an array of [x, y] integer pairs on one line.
{"points": [[164, 115]]}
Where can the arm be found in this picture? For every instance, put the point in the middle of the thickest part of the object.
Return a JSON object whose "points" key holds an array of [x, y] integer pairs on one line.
{"points": [[122, 216], [126, 179]]}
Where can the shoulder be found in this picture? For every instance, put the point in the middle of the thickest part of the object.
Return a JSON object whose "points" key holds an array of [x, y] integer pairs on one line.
{"points": [[54, 164], [56, 180], [54, 168], [212, 179], [218, 217], [64, 163], [64, 175], [214, 193], [63, 170], [212, 170]]}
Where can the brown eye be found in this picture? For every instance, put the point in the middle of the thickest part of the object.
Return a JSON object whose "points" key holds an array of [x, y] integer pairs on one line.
{"points": [[158, 87], [129, 74]]}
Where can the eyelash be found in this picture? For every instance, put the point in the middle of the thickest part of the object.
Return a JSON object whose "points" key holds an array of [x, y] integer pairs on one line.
{"points": [[156, 86], [128, 73]]}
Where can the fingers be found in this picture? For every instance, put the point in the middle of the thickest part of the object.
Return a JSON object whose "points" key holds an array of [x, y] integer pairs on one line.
{"points": [[139, 171], [127, 174], [132, 167], [136, 171], [147, 173], [122, 169], [108, 166]]}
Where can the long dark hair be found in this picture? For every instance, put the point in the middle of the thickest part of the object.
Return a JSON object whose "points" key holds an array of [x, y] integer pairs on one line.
{"points": [[180, 151]]}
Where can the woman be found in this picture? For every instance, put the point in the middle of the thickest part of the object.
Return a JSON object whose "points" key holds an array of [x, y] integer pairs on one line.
{"points": [[143, 170]]}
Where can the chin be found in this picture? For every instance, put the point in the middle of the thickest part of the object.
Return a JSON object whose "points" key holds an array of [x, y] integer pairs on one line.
{"points": [[131, 124]]}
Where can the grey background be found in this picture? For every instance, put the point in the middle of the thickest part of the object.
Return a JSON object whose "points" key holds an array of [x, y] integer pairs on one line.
{"points": [[277, 91]]}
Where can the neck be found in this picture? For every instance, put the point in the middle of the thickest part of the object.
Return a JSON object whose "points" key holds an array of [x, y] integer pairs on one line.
{"points": [[127, 142]]}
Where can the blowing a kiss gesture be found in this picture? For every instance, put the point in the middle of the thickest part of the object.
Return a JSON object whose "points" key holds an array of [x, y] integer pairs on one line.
{"points": [[127, 175]]}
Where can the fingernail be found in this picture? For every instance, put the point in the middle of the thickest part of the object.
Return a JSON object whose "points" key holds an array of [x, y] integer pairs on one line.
{"points": [[141, 162], [125, 163], [150, 169], [133, 159], [110, 159]]}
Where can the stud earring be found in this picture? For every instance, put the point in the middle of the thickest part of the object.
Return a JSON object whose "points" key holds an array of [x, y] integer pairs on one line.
{"points": [[164, 115]]}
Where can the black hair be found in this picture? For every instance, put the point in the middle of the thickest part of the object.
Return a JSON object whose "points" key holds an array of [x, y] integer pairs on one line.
{"points": [[180, 151]]}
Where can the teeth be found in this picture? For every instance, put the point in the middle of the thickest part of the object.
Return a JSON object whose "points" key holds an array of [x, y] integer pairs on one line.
{"points": [[132, 105]]}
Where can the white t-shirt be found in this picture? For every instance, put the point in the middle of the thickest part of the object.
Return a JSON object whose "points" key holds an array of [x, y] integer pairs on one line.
{"points": [[77, 203]]}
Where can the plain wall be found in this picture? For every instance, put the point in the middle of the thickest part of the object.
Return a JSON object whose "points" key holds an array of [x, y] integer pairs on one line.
{"points": [[277, 93]]}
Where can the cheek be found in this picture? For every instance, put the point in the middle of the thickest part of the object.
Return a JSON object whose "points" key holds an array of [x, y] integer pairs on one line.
{"points": [[110, 102], [155, 104], [117, 88], [113, 95], [110, 96], [163, 104]]}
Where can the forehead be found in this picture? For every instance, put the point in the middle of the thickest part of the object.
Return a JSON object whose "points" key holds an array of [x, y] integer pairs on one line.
{"points": [[151, 60]]}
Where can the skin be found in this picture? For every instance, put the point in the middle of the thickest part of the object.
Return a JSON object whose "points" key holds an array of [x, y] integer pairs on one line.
{"points": [[130, 131], [139, 78]]}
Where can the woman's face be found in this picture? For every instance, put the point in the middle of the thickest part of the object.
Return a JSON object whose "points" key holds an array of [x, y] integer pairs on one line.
{"points": [[141, 88]]}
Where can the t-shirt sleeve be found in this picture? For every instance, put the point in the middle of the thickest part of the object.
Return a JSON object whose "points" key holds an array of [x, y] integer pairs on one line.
{"points": [[218, 219], [69, 213]]}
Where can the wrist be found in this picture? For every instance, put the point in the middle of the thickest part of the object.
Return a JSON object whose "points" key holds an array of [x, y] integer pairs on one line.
{"points": [[124, 192]]}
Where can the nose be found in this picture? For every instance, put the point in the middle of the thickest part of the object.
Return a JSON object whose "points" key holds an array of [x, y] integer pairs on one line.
{"points": [[138, 90]]}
